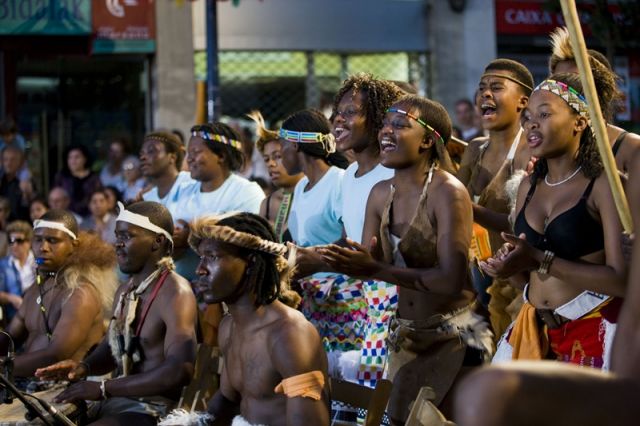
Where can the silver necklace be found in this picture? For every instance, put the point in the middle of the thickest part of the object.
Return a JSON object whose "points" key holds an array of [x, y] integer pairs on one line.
{"points": [[546, 178]]}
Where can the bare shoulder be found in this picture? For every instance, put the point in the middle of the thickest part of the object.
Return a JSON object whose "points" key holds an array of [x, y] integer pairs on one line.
{"points": [[476, 144], [380, 191], [447, 188], [84, 294], [295, 343], [177, 286]]}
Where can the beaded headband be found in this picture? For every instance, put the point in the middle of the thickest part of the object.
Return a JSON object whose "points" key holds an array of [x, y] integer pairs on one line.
{"points": [[419, 120], [141, 221], [327, 140], [508, 77], [214, 137], [570, 95], [54, 225]]}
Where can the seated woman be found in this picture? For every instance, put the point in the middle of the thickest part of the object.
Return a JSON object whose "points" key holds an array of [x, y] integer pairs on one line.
{"points": [[567, 242], [276, 207], [417, 235]]}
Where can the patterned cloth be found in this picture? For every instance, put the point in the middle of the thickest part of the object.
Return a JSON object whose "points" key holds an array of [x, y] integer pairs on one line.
{"points": [[382, 300], [336, 306]]}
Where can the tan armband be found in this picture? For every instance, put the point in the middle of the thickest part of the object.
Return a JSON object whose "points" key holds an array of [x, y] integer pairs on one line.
{"points": [[306, 385]]}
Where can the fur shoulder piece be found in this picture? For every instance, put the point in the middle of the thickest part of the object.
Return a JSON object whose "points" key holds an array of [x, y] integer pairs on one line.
{"points": [[94, 263]]}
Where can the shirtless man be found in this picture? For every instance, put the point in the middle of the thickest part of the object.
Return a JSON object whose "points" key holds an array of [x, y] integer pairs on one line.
{"points": [[153, 319], [62, 315], [522, 393], [269, 349]]}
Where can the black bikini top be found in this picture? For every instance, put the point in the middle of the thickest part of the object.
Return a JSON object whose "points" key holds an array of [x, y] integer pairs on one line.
{"points": [[571, 235]]}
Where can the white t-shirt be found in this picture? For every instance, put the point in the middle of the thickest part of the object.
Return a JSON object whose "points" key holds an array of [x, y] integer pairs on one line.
{"points": [[355, 193], [316, 214], [235, 194], [171, 200]]}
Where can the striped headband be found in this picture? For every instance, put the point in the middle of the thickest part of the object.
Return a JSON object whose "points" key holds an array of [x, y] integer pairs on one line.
{"points": [[419, 120], [570, 95], [328, 140], [214, 137], [54, 225], [508, 77], [141, 221]]}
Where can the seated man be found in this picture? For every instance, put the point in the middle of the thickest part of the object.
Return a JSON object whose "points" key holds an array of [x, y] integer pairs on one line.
{"points": [[151, 340], [62, 315], [275, 370]]}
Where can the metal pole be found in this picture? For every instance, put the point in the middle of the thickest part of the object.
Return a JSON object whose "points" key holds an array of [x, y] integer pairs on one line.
{"points": [[213, 80]]}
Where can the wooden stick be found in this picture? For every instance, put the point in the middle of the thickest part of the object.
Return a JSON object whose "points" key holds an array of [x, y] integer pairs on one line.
{"points": [[597, 120]]}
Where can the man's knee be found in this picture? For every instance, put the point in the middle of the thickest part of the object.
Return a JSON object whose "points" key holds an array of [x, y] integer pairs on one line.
{"points": [[483, 397]]}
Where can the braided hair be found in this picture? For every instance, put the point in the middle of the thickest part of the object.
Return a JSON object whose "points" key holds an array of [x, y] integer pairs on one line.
{"points": [[378, 95], [266, 274]]}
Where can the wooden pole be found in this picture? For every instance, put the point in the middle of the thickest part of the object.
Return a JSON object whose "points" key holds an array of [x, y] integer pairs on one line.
{"points": [[597, 120]]}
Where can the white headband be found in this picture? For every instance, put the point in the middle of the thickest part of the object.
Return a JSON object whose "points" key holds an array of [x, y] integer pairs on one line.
{"points": [[53, 225], [141, 221]]}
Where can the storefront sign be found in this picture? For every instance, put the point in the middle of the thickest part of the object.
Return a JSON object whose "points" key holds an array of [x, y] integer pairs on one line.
{"points": [[535, 18], [45, 17], [124, 26]]}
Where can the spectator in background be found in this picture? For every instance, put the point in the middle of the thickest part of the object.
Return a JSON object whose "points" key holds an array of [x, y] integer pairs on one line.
{"points": [[254, 167], [133, 180], [113, 195], [59, 199], [77, 179], [466, 120], [111, 173], [5, 211], [9, 134], [10, 185], [37, 208], [17, 270], [101, 222]]}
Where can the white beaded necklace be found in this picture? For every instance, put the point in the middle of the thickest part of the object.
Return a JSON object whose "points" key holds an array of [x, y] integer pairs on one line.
{"points": [[546, 178]]}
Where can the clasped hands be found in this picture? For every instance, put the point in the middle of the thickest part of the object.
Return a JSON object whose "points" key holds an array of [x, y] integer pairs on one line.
{"points": [[516, 255]]}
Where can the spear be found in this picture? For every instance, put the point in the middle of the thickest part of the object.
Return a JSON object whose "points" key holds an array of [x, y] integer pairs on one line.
{"points": [[597, 120]]}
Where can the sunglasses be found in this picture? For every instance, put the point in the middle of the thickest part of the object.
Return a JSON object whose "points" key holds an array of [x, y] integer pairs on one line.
{"points": [[17, 241]]}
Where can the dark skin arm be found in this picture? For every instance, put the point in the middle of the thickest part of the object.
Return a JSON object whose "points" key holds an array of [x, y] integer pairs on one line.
{"points": [[306, 357], [16, 330], [487, 218], [225, 404], [453, 215], [178, 315], [72, 329], [100, 361], [626, 347]]}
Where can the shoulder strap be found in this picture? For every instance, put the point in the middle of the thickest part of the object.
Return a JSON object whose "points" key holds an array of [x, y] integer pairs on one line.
{"points": [[618, 142], [532, 189], [153, 296], [587, 191], [514, 145]]}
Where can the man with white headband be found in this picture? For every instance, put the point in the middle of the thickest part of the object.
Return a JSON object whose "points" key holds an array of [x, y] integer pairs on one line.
{"points": [[151, 338], [62, 315]]}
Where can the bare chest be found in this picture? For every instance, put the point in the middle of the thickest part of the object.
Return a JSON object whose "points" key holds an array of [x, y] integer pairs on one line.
{"points": [[249, 368]]}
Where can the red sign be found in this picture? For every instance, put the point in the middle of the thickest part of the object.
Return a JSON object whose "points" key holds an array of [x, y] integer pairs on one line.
{"points": [[532, 18], [124, 19]]}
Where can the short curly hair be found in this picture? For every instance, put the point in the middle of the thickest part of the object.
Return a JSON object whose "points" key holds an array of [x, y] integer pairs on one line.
{"points": [[378, 95]]}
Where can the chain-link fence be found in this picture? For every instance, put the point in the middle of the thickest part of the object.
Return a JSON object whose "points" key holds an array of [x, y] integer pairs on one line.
{"points": [[280, 83]]}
